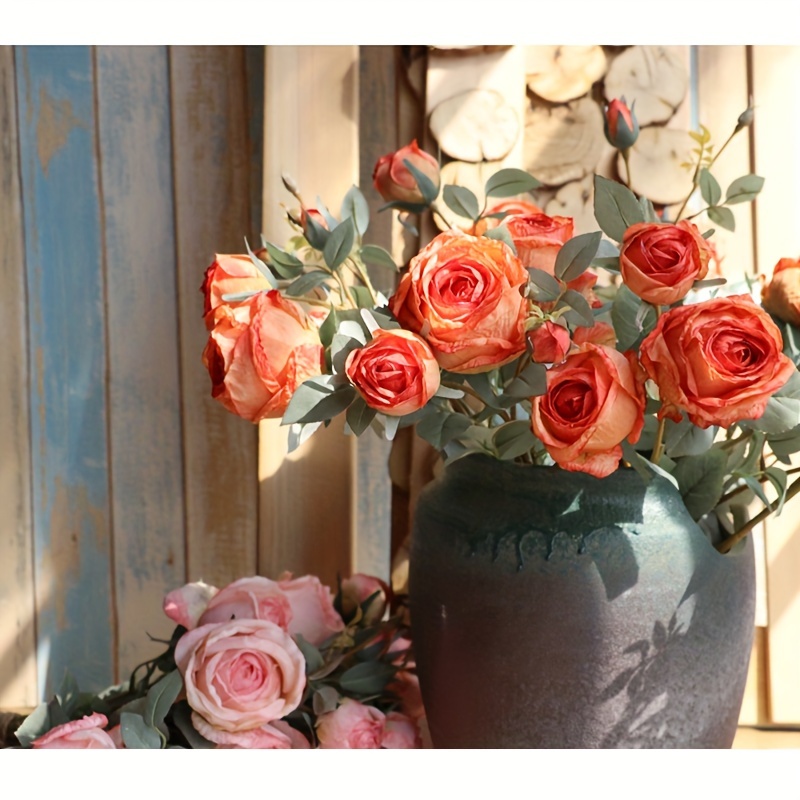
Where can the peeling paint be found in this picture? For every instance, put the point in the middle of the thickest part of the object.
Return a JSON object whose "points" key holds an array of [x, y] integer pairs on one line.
{"points": [[53, 127]]}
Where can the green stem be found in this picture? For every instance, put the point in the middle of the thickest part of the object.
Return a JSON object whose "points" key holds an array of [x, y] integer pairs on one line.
{"points": [[362, 273], [436, 210], [658, 446], [626, 158]]}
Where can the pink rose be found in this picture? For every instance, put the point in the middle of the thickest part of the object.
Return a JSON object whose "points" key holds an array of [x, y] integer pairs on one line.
{"points": [[395, 373], [249, 598], [259, 353], [277, 735], [462, 294], [313, 614], [184, 606], [594, 400], [393, 180], [81, 734], [354, 726], [241, 675], [229, 275], [550, 343]]}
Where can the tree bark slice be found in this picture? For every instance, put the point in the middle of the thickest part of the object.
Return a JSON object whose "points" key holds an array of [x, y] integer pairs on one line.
{"points": [[655, 161], [654, 77], [475, 125], [559, 73], [564, 143]]}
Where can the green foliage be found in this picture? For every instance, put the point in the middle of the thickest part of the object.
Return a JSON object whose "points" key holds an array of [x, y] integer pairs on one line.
{"points": [[427, 187], [576, 255], [700, 480], [632, 318], [339, 244], [510, 182], [615, 207], [461, 201]]}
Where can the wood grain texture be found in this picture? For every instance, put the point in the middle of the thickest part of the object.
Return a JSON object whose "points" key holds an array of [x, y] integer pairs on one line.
{"points": [[144, 390], [17, 608], [212, 189], [311, 132], [726, 65], [68, 356], [776, 90]]}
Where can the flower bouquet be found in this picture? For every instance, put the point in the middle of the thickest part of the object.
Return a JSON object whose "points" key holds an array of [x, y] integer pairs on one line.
{"points": [[259, 664], [501, 339]]}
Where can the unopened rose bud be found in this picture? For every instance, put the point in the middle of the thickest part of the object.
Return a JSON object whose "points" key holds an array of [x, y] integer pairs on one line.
{"points": [[394, 181], [620, 124], [550, 343], [745, 118], [317, 216], [781, 296], [288, 182]]}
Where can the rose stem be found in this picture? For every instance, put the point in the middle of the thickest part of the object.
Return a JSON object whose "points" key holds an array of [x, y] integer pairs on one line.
{"points": [[725, 545], [625, 154], [658, 446]]}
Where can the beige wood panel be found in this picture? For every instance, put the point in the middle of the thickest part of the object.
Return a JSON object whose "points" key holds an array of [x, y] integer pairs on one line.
{"points": [[776, 90], [144, 386], [211, 184], [307, 498], [17, 610], [717, 66], [755, 704]]}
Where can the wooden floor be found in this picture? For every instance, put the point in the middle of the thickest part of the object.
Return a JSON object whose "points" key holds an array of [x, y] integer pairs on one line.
{"points": [[759, 739]]}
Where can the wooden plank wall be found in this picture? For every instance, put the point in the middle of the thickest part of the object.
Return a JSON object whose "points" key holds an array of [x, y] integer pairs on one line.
{"points": [[123, 170]]}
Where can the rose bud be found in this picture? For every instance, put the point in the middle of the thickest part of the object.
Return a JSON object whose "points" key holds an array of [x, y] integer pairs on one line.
{"points": [[781, 296], [660, 262], [314, 214], [396, 373], [550, 343], [594, 400], [393, 179], [620, 124], [719, 361], [538, 238]]}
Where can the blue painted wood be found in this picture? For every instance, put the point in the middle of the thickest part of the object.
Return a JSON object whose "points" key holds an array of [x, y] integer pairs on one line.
{"points": [[144, 388], [68, 352]]}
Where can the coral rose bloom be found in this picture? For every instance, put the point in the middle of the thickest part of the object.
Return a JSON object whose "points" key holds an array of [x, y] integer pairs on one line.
{"points": [[241, 675], [461, 293], [354, 726], [229, 275], [594, 400], [781, 296], [81, 734], [538, 238], [659, 262], [259, 353], [396, 373], [719, 361]]}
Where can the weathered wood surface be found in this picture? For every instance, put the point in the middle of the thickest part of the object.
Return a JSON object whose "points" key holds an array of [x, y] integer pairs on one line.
{"points": [[17, 608]]}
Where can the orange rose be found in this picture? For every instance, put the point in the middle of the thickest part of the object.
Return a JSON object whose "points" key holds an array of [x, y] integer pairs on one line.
{"points": [[719, 361], [259, 353], [594, 400], [507, 207], [462, 294], [550, 343], [538, 238], [396, 373], [599, 333], [781, 296], [393, 180], [659, 262], [229, 275]]}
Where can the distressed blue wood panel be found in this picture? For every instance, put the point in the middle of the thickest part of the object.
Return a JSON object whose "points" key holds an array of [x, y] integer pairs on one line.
{"points": [[144, 387], [67, 348]]}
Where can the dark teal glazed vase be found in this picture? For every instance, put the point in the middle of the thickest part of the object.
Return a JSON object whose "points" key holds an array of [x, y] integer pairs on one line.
{"points": [[552, 609]]}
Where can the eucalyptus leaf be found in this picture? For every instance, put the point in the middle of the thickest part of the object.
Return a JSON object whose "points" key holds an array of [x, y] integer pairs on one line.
{"points": [[182, 718], [686, 439], [615, 207], [786, 443], [509, 182], [632, 318], [298, 434], [576, 254], [324, 700], [308, 282], [359, 416], [722, 216], [501, 233], [312, 655], [547, 288], [261, 266], [372, 254], [367, 678], [782, 413], [137, 734], [160, 698], [285, 264], [441, 427], [317, 400], [36, 724], [339, 244], [744, 189], [778, 478], [461, 201], [709, 187], [316, 234], [700, 480], [648, 210], [355, 206], [531, 382], [583, 316], [514, 439]]}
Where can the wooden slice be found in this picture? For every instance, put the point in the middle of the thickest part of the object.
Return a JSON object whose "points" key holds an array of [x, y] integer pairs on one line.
{"points": [[564, 143], [655, 77], [559, 73], [575, 199], [655, 161], [475, 125]]}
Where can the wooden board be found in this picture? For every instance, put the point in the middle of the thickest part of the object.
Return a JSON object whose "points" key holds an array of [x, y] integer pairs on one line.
{"points": [[307, 498], [17, 609], [776, 92], [66, 328], [212, 189], [144, 367]]}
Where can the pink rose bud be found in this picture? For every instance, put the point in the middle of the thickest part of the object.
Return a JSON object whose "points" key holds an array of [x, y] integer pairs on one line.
{"points": [[359, 588], [394, 181], [620, 124], [550, 343], [81, 734], [185, 606]]}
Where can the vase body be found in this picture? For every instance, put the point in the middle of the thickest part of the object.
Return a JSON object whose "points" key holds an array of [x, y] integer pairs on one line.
{"points": [[552, 609]]}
